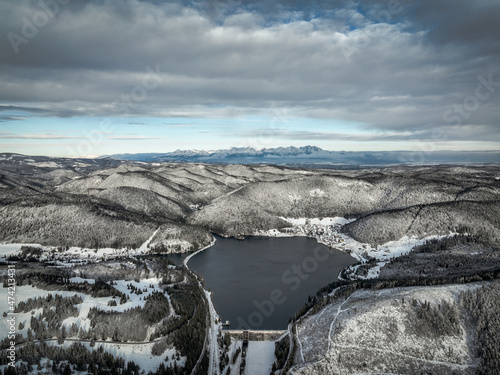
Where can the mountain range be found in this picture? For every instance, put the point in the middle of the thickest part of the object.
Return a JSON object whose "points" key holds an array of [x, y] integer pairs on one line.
{"points": [[312, 155]]}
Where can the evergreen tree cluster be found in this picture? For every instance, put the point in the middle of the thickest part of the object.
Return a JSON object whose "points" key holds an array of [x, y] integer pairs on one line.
{"points": [[483, 305], [50, 279], [72, 359], [281, 351], [434, 245], [62, 219], [442, 319], [27, 254], [459, 255], [190, 304], [130, 325], [48, 324]]}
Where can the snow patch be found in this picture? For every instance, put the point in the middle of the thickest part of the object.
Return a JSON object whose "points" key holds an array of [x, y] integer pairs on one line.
{"points": [[260, 357], [14, 248], [80, 280], [139, 353], [43, 164], [318, 193], [145, 246], [317, 221]]}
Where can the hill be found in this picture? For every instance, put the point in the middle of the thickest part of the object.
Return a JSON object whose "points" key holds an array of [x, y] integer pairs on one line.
{"points": [[390, 197], [41, 198], [405, 331]]}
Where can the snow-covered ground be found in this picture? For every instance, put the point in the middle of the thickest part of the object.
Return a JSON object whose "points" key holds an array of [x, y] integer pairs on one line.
{"points": [[383, 253], [79, 280], [76, 254], [317, 221], [260, 357], [145, 246], [327, 231], [25, 292], [138, 352], [14, 248], [378, 328]]}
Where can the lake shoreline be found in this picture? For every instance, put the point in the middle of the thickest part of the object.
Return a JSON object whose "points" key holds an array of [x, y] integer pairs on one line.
{"points": [[263, 279]]}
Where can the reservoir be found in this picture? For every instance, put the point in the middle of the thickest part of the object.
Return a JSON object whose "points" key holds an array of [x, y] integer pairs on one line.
{"points": [[259, 282]]}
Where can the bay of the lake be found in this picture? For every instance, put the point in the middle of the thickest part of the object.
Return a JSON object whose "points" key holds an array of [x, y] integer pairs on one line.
{"points": [[259, 282]]}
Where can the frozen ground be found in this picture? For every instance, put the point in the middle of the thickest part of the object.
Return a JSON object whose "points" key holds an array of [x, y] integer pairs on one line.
{"points": [[260, 357], [375, 332], [13, 248], [140, 353], [76, 254], [25, 292], [317, 221]]}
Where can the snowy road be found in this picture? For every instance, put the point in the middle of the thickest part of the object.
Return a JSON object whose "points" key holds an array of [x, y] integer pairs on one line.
{"points": [[213, 346]]}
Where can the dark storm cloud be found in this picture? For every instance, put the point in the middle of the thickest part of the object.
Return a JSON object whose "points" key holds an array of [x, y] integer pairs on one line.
{"points": [[398, 66]]}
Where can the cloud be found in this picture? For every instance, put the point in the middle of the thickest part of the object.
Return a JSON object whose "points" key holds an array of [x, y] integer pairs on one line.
{"points": [[52, 110], [52, 136], [44, 136], [11, 118], [479, 133], [179, 125], [132, 138], [10, 108], [397, 70]]}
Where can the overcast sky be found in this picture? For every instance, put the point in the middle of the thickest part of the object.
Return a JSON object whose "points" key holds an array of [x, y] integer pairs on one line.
{"points": [[104, 77]]}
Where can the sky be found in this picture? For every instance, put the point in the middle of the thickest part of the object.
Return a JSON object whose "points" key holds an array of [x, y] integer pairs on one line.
{"points": [[102, 77]]}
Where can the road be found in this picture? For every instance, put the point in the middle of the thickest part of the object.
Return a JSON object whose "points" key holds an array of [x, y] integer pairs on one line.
{"points": [[213, 328]]}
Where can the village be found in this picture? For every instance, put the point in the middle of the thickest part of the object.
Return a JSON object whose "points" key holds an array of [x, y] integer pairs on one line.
{"points": [[60, 256], [328, 235]]}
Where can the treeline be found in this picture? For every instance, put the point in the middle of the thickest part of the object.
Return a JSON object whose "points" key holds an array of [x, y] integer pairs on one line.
{"points": [[130, 325], [67, 361], [346, 288], [47, 303], [435, 245], [133, 269], [448, 257], [187, 329], [48, 324], [483, 306], [281, 352], [27, 254], [479, 218], [189, 337], [60, 281]]}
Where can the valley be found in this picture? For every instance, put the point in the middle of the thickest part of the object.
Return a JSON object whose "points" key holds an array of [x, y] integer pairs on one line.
{"points": [[89, 240]]}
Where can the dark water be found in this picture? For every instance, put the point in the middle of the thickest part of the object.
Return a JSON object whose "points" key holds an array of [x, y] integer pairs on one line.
{"points": [[258, 283], [177, 259]]}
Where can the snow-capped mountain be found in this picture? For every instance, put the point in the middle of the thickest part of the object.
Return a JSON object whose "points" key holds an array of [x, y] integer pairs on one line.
{"points": [[313, 155]]}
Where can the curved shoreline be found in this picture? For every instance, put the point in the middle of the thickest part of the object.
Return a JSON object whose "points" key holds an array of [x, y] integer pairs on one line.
{"points": [[186, 259]]}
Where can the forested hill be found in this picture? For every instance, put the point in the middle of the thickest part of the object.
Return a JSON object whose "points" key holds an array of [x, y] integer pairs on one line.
{"points": [[108, 203]]}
